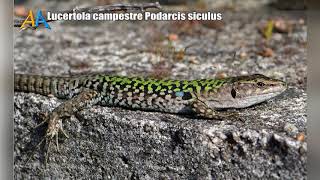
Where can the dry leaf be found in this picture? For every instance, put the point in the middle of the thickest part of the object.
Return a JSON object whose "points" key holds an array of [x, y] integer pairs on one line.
{"points": [[221, 75], [301, 137], [173, 37], [268, 29], [179, 55], [266, 52], [282, 26]]}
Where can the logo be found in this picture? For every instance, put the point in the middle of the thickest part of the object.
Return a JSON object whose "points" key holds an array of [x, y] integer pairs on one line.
{"points": [[39, 20]]}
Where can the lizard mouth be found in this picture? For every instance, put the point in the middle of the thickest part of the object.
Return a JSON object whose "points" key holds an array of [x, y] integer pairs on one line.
{"points": [[276, 90], [252, 100], [249, 100]]}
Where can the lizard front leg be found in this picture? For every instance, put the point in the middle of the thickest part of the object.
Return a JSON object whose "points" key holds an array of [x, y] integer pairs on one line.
{"points": [[204, 111]]}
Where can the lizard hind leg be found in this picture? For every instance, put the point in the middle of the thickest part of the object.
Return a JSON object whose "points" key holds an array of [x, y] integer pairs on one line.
{"points": [[52, 133], [83, 100]]}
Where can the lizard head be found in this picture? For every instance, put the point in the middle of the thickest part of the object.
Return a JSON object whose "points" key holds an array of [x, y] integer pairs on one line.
{"points": [[245, 91]]}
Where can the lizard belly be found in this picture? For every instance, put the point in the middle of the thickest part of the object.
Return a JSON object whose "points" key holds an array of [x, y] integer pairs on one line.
{"points": [[150, 103]]}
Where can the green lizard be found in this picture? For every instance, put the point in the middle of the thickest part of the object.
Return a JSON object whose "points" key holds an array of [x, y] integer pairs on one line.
{"points": [[198, 97]]}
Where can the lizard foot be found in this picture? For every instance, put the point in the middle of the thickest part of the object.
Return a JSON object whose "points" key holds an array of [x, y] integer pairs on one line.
{"points": [[229, 115], [52, 133]]}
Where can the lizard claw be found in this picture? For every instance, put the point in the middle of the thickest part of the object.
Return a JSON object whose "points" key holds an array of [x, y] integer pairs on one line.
{"points": [[52, 132], [227, 115], [54, 127], [63, 131]]}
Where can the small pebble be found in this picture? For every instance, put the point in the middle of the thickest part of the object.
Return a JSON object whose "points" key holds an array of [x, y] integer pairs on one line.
{"points": [[173, 37], [301, 137], [194, 61], [243, 55], [221, 75], [266, 52], [301, 21], [282, 26], [290, 129]]}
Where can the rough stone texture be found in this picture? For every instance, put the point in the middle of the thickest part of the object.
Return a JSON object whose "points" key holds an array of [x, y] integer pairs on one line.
{"points": [[124, 144]]}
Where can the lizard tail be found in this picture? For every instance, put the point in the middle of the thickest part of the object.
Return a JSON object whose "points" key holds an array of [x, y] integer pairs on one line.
{"points": [[44, 85]]}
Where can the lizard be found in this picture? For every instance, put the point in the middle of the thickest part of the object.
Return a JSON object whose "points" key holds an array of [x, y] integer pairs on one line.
{"points": [[202, 98]]}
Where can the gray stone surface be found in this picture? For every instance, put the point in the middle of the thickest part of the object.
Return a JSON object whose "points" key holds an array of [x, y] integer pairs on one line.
{"points": [[124, 144]]}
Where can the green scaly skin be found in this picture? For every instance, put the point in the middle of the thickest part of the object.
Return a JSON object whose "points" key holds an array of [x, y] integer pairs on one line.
{"points": [[197, 97], [135, 93]]}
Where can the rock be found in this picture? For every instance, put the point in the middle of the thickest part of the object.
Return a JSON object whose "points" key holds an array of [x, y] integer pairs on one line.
{"points": [[291, 129], [115, 143]]}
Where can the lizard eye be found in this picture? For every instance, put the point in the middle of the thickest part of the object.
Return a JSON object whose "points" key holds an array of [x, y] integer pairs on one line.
{"points": [[233, 93], [261, 84]]}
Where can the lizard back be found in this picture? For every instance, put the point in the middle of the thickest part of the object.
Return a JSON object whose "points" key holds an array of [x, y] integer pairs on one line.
{"points": [[133, 92]]}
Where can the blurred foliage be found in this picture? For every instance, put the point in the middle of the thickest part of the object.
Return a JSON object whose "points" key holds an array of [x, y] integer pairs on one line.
{"points": [[267, 32]]}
